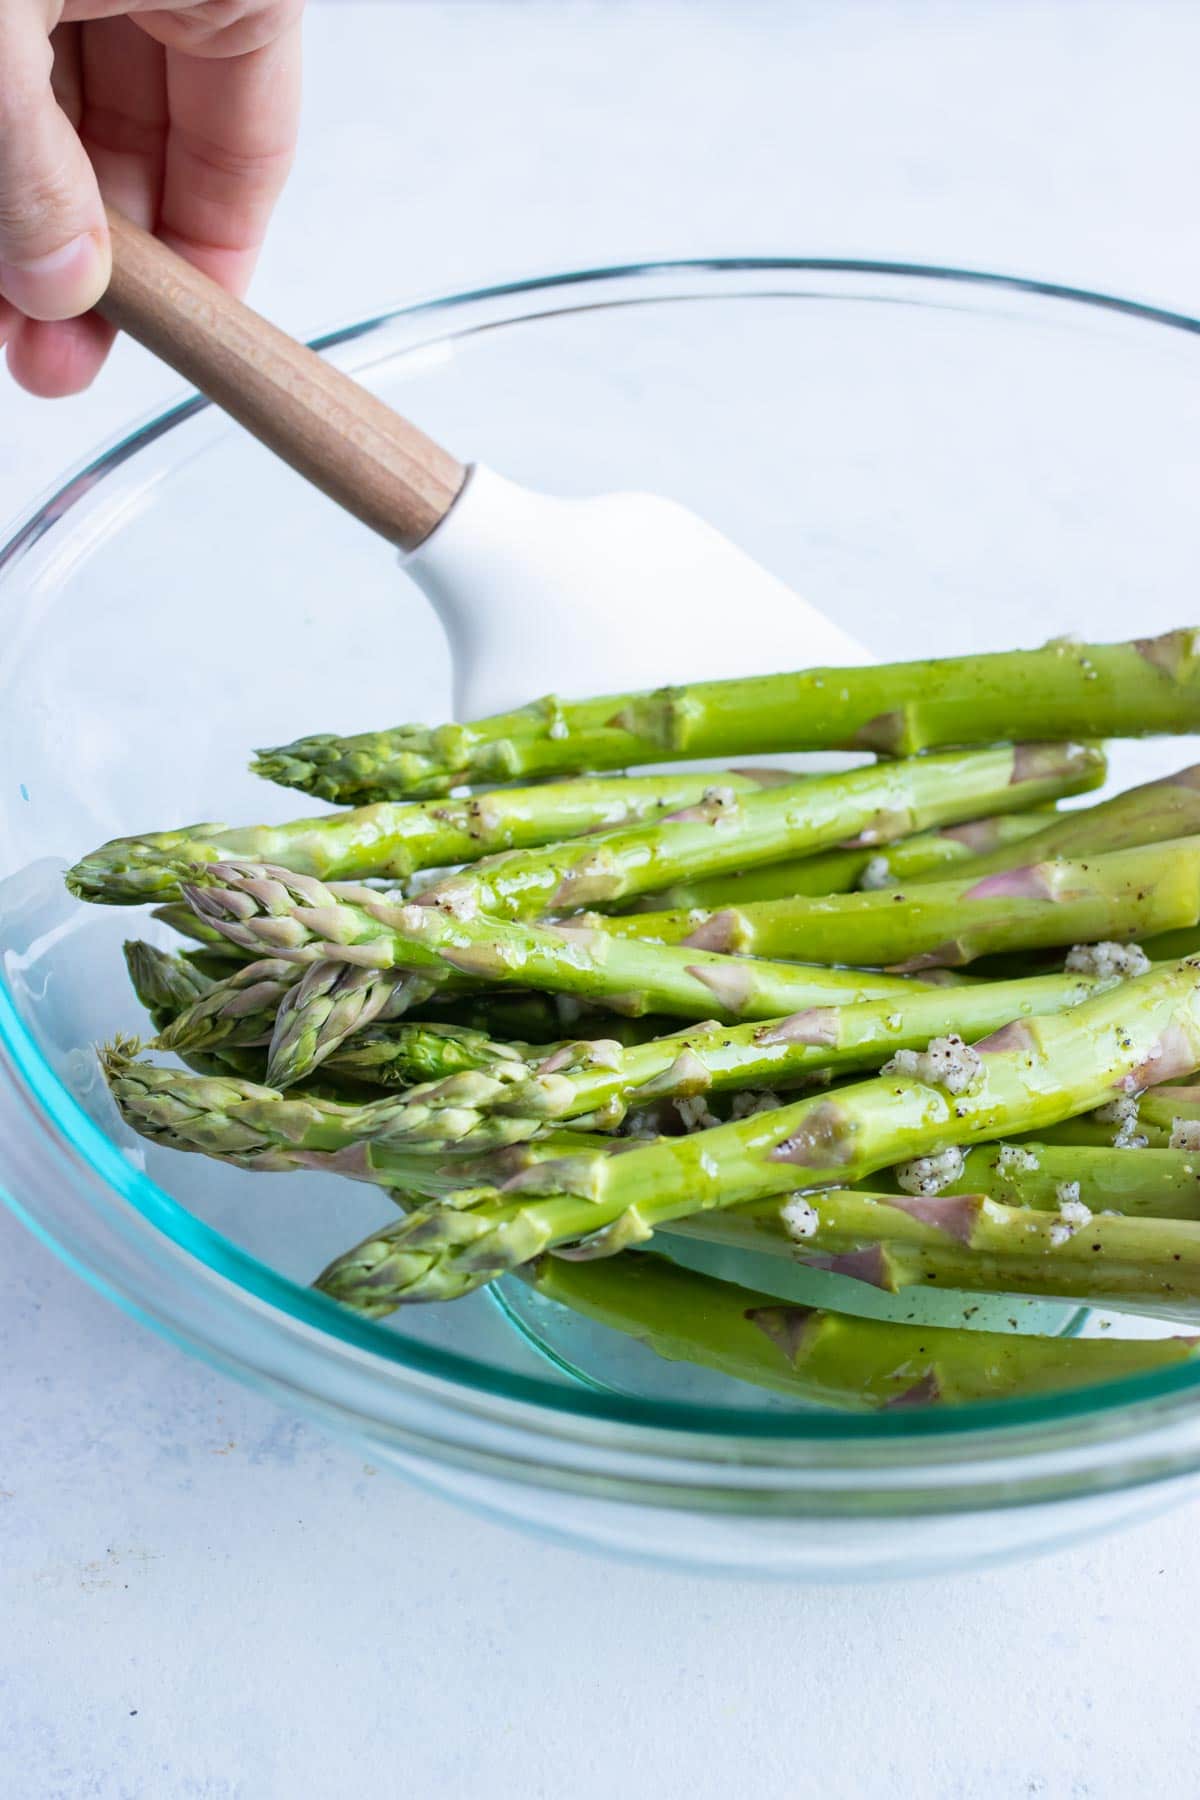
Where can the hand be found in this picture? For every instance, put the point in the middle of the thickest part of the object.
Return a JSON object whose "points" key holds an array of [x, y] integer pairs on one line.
{"points": [[183, 111]]}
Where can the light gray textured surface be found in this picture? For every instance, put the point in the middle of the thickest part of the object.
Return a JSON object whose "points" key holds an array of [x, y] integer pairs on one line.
{"points": [[202, 1597]]}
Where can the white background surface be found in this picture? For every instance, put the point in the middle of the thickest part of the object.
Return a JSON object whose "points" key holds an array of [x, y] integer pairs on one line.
{"points": [[201, 1596]]}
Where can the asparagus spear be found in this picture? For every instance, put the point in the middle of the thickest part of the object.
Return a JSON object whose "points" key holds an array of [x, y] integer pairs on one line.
{"points": [[1162, 1183], [1064, 690], [165, 984], [302, 1007], [238, 1010], [870, 805], [242, 1009], [394, 841], [539, 1018], [597, 1080], [827, 1357], [969, 1241], [239, 1121], [936, 853], [298, 917], [1126, 894], [1154, 1119], [321, 1020], [411, 1051], [1172, 946], [1028, 1075], [1168, 808]]}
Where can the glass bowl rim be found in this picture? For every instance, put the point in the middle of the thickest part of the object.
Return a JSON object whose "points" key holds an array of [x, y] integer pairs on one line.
{"points": [[338, 1331]]}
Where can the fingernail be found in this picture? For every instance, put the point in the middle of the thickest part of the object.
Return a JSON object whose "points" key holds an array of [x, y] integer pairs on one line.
{"points": [[62, 283]]}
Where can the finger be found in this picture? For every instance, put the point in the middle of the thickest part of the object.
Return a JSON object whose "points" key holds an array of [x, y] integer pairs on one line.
{"points": [[54, 259], [52, 360], [229, 148], [66, 71], [55, 359], [123, 115], [110, 81], [210, 28]]}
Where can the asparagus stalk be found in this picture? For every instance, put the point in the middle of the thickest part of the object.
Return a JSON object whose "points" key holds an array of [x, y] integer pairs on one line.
{"points": [[969, 1241], [394, 841], [827, 1357], [934, 853], [597, 1081], [1125, 894], [1154, 1119], [540, 1018], [1173, 946], [298, 917], [241, 1011], [1162, 1183], [1025, 1077], [242, 1122], [870, 806], [1150, 814], [1062, 691], [303, 1012], [410, 1051], [238, 1010], [166, 984]]}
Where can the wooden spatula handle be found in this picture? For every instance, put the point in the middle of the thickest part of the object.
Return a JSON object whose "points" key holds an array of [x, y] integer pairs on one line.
{"points": [[342, 438]]}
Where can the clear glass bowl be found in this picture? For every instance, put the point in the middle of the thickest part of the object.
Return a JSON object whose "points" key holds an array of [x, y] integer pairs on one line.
{"points": [[949, 461]]}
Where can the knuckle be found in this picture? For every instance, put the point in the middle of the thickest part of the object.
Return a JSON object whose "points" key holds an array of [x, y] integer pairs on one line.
{"points": [[235, 27], [219, 170]]}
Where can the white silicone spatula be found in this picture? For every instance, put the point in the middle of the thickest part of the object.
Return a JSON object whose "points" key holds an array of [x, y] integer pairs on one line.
{"points": [[535, 593]]}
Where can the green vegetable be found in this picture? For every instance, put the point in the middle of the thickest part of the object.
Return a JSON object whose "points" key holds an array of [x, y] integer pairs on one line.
{"points": [[972, 1242], [1064, 690], [1169, 808], [295, 916], [394, 841], [1125, 894], [937, 854], [1027, 1076], [869, 806], [597, 1080], [829, 1358], [240, 1121]]}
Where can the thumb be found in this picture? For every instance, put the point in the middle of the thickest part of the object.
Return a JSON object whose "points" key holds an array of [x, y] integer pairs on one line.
{"points": [[54, 255]]}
